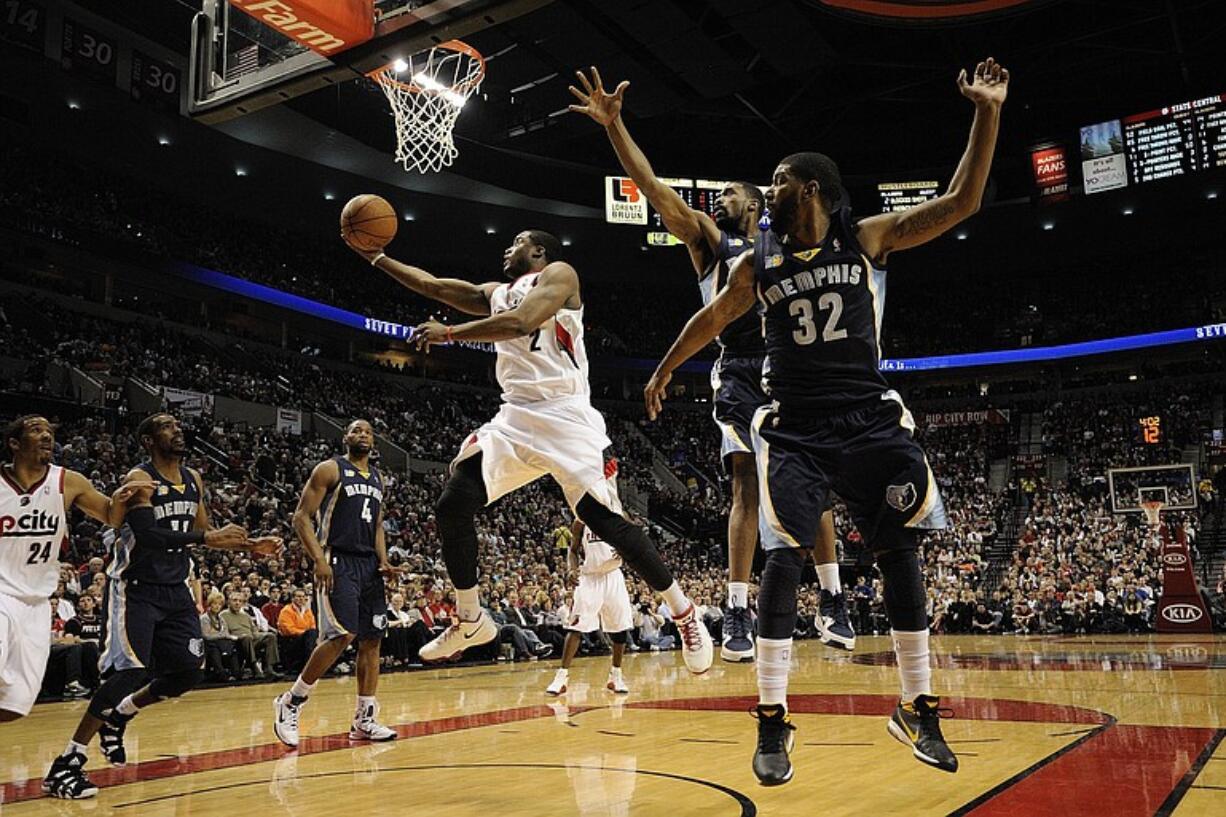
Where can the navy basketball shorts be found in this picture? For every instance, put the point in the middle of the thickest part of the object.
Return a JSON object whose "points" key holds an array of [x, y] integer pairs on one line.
{"points": [[737, 384], [867, 456], [151, 626], [357, 604]]}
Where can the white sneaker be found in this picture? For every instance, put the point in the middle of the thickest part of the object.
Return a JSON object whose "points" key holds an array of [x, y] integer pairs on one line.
{"points": [[459, 637], [696, 646], [558, 685], [366, 727], [285, 720], [617, 683]]}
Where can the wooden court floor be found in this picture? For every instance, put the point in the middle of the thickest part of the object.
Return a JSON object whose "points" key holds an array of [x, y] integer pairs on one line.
{"points": [[1114, 726]]}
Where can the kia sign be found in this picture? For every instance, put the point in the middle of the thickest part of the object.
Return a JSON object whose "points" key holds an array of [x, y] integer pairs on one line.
{"points": [[1182, 613], [1180, 608]]}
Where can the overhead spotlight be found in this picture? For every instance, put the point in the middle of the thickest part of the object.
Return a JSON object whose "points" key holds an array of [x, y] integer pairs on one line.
{"points": [[74, 105], [1212, 194], [329, 195], [1049, 225], [491, 230], [1127, 211], [400, 66], [565, 242], [963, 235], [163, 140], [409, 217], [240, 171], [1132, 377]]}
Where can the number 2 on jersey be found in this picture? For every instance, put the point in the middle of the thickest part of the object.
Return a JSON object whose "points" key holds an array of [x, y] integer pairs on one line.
{"points": [[802, 308]]}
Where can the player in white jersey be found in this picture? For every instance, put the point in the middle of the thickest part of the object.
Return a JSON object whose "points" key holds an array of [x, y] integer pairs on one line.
{"points": [[546, 426], [35, 497], [600, 601]]}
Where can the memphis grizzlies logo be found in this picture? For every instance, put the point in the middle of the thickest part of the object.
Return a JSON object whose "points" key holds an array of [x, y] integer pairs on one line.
{"points": [[901, 497], [379, 621], [196, 647]]}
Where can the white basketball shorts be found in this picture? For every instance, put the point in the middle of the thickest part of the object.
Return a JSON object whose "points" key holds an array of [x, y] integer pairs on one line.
{"points": [[25, 643], [601, 600]]}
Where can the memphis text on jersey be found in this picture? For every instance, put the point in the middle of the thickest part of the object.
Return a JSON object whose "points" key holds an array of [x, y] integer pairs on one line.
{"points": [[362, 489], [830, 275]]}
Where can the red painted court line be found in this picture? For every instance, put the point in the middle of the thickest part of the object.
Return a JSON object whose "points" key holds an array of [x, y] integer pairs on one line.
{"points": [[29, 789], [977, 709], [1124, 771]]}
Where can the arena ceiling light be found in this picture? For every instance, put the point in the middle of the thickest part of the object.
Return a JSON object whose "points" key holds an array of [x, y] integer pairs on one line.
{"points": [[74, 105], [1212, 194], [163, 140], [565, 242], [963, 235], [240, 171], [409, 217], [1049, 225], [491, 230], [329, 195], [1127, 211]]}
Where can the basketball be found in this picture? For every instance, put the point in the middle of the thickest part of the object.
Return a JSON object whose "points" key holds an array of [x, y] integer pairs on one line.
{"points": [[368, 222]]}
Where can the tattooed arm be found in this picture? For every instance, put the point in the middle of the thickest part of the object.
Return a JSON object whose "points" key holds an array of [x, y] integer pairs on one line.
{"points": [[881, 235]]}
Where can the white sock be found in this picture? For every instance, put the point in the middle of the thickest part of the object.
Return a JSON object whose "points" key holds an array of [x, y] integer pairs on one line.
{"points": [[127, 707], [301, 689], [914, 669], [677, 602], [74, 748], [773, 664], [366, 707], [467, 604], [828, 575], [564, 672], [738, 594]]}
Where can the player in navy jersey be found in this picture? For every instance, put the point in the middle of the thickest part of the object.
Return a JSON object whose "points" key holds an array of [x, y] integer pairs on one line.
{"points": [[834, 424], [736, 377], [151, 612], [339, 521]]}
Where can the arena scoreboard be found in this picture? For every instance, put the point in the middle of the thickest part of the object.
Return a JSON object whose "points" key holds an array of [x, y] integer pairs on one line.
{"points": [[1158, 144], [898, 196]]}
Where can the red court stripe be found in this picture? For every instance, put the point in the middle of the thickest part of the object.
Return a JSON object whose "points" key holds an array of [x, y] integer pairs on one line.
{"points": [[1124, 771], [30, 789]]}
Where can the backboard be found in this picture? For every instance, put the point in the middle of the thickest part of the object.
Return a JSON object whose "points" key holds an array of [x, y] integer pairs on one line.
{"points": [[239, 64], [1172, 485]]}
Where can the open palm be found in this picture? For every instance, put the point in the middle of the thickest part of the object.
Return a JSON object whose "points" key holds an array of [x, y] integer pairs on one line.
{"points": [[988, 85], [598, 103]]}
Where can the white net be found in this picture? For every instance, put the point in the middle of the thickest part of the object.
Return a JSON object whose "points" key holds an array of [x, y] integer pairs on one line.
{"points": [[427, 93]]}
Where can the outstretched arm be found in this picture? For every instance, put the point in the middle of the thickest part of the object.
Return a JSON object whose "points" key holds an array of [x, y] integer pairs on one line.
{"points": [[732, 302], [469, 298], [558, 285], [696, 229], [881, 235]]}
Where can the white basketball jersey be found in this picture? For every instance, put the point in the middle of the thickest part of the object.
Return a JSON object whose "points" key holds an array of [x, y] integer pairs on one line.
{"points": [[598, 556], [550, 363], [33, 528]]}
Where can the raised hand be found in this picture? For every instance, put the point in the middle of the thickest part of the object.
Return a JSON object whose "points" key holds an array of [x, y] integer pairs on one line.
{"points": [[988, 86], [598, 103]]}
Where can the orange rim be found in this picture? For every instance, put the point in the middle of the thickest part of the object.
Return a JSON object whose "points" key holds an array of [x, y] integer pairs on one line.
{"points": [[385, 73]]}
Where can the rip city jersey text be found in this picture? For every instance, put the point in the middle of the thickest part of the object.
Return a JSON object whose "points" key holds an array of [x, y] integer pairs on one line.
{"points": [[174, 508], [350, 511], [822, 309]]}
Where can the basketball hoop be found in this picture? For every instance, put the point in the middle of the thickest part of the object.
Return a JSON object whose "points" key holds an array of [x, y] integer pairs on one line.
{"points": [[1152, 508], [427, 93]]}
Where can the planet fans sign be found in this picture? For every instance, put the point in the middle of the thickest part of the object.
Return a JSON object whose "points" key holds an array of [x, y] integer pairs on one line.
{"points": [[327, 27]]}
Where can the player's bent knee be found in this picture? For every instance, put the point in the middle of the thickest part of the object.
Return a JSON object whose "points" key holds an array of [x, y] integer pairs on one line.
{"points": [[903, 592], [777, 599], [118, 686], [174, 684], [629, 540]]}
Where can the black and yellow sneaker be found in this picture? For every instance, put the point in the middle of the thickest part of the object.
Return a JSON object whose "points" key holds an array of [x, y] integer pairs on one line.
{"points": [[776, 734], [918, 724]]}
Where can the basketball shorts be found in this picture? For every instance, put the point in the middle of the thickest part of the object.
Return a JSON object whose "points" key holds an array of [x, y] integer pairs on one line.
{"points": [[563, 438], [601, 600], [358, 601], [868, 456], [25, 643], [151, 626], [737, 386]]}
